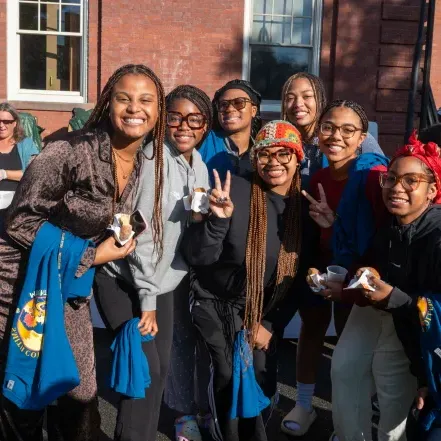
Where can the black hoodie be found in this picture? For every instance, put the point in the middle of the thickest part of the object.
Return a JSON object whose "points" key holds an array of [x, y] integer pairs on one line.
{"points": [[408, 257]]}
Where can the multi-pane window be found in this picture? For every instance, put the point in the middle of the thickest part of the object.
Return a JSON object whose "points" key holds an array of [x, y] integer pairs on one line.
{"points": [[284, 34], [50, 43]]}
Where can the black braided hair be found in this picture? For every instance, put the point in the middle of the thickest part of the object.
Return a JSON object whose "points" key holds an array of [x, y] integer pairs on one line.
{"points": [[359, 110], [255, 97], [198, 97], [100, 118]]}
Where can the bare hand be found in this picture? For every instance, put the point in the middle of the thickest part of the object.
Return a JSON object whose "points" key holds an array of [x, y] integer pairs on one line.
{"points": [[147, 324], [333, 291], [220, 202], [109, 251], [421, 395], [319, 210], [382, 290], [263, 338]]}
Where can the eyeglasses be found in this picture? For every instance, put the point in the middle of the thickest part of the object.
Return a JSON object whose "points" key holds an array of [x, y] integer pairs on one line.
{"points": [[346, 130], [193, 120], [237, 103], [409, 181], [282, 156], [6, 122]]}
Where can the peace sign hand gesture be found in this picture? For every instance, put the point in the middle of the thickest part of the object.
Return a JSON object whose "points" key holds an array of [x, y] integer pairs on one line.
{"points": [[220, 202], [319, 210]]}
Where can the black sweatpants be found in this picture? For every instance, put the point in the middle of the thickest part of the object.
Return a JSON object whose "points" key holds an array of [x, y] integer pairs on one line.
{"points": [[118, 302], [218, 322]]}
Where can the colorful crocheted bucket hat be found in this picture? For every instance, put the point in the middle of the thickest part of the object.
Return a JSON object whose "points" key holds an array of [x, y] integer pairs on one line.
{"points": [[279, 133]]}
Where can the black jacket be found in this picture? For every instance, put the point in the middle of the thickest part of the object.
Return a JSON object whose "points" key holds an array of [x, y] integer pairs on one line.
{"points": [[408, 257], [216, 249]]}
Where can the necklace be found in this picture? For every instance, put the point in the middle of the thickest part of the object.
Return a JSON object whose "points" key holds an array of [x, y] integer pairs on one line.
{"points": [[124, 173], [123, 159]]}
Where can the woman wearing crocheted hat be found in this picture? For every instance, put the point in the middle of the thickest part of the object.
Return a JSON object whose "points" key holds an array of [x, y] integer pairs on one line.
{"points": [[407, 253], [245, 257]]}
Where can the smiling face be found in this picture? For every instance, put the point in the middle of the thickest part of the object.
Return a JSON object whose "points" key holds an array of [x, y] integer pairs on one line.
{"points": [[7, 125], [233, 120], [133, 107], [338, 149], [184, 138], [277, 176], [404, 204], [300, 104]]}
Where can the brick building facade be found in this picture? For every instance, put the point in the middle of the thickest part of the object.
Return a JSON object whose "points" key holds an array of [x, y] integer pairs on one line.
{"points": [[365, 50]]}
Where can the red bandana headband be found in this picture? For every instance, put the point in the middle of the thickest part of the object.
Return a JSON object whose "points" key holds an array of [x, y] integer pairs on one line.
{"points": [[428, 153]]}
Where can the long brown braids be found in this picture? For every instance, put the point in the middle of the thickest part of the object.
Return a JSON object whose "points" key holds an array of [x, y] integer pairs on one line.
{"points": [[282, 134], [359, 110], [100, 117], [319, 94]]}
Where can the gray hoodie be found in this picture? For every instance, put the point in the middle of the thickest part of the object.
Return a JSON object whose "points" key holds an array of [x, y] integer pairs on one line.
{"points": [[139, 268]]}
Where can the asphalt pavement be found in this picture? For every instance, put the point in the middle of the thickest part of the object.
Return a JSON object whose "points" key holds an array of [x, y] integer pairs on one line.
{"points": [[320, 431]]}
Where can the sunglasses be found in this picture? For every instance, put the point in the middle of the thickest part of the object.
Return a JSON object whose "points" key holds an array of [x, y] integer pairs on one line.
{"points": [[409, 181], [237, 103], [193, 120], [6, 122]]}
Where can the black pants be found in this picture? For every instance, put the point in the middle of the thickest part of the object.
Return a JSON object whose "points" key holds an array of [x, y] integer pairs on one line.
{"points": [[218, 322], [118, 302]]}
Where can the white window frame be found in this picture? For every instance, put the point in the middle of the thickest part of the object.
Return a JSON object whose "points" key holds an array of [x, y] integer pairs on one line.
{"points": [[317, 12], [13, 60]]}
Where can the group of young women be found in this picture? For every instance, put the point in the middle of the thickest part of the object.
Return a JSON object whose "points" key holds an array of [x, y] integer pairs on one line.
{"points": [[196, 281]]}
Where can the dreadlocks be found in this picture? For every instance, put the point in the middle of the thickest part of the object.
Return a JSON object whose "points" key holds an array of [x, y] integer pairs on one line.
{"points": [[255, 256], [255, 97], [350, 105], [198, 97], [319, 95], [100, 116]]}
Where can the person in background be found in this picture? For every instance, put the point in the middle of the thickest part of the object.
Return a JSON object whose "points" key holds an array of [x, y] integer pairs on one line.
{"points": [[303, 101], [16, 152], [79, 185], [147, 284], [236, 122], [245, 257]]}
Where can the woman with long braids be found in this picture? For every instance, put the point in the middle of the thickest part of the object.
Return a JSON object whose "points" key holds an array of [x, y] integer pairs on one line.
{"points": [[245, 257], [146, 284], [303, 101], [236, 122], [77, 186]]}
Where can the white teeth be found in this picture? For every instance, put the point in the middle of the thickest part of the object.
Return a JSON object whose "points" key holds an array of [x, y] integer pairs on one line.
{"points": [[300, 114], [275, 173], [133, 120], [400, 200], [335, 148]]}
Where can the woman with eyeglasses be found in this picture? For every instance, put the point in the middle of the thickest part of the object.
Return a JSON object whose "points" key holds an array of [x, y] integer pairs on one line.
{"points": [[16, 152], [245, 258], [236, 122], [146, 285], [347, 204], [303, 100], [405, 303]]}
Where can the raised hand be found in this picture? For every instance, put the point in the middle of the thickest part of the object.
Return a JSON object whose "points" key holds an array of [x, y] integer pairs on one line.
{"points": [[220, 202], [320, 210]]}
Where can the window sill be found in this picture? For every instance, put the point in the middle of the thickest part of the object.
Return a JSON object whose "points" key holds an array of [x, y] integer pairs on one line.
{"points": [[46, 106]]}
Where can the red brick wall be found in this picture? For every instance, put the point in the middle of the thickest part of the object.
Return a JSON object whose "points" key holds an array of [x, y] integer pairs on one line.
{"points": [[435, 74], [183, 42]]}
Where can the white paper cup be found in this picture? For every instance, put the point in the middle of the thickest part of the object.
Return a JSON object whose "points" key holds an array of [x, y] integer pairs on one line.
{"points": [[336, 273]]}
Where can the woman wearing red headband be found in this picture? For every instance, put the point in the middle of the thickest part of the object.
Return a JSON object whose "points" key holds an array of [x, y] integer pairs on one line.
{"points": [[407, 254]]}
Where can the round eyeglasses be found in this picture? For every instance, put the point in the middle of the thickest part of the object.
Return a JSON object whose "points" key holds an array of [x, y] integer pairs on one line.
{"points": [[193, 120], [346, 130]]}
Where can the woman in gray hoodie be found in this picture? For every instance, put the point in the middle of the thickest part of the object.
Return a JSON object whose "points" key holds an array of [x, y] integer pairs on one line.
{"points": [[145, 284]]}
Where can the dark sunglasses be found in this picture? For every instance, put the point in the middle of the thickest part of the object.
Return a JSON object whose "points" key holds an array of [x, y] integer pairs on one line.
{"points": [[193, 120], [6, 122], [237, 103]]}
